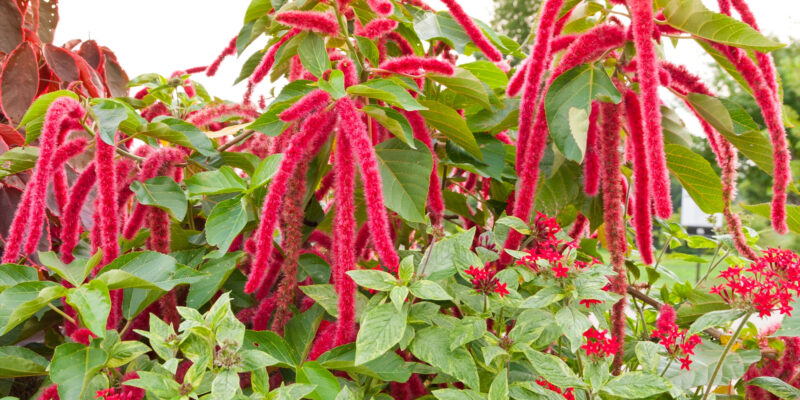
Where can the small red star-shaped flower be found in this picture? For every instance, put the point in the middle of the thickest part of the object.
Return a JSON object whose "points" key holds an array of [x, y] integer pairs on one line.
{"points": [[501, 289]]}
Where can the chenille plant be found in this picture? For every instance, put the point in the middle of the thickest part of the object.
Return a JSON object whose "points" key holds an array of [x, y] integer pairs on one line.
{"points": [[392, 212]]}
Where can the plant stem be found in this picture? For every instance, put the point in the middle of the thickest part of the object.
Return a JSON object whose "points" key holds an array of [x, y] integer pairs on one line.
{"points": [[63, 314], [711, 268], [725, 352], [667, 367], [236, 140]]}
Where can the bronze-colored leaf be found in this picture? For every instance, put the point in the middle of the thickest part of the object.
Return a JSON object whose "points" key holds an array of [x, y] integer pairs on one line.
{"points": [[19, 81], [10, 26]]}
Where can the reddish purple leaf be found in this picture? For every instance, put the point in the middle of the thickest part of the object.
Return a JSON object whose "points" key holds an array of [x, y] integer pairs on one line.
{"points": [[91, 79], [62, 63], [10, 26], [115, 77], [19, 81], [48, 19], [10, 136], [90, 52]]}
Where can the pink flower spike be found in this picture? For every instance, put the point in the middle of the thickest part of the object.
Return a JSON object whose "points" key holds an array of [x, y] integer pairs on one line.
{"points": [[647, 66], [349, 71], [344, 227], [613, 191], [591, 162], [642, 220], [517, 81], [415, 65], [315, 21], [381, 7], [473, 31], [402, 43], [227, 51], [70, 220], [106, 201], [266, 63], [377, 27], [306, 105], [353, 125]]}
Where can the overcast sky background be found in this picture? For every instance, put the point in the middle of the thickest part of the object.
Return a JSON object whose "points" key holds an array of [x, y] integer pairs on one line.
{"points": [[167, 35]]}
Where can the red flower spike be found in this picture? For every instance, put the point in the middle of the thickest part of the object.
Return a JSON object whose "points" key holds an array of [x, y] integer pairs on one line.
{"points": [[673, 338], [414, 65], [209, 114], [70, 219], [647, 68], [435, 199], [315, 127], [517, 81], [591, 162], [642, 219], [579, 227], [344, 227], [306, 105], [402, 43], [227, 51], [266, 63], [358, 137], [349, 71], [377, 28], [315, 21], [474, 32], [50, 393], [106, 201], [381, 7]]}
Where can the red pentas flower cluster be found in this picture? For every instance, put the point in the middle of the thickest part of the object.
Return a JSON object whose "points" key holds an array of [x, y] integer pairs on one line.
{"points": [[568, 394], [771, 282], [598, 344], [674, 339], [550, 250], [484, 281]]}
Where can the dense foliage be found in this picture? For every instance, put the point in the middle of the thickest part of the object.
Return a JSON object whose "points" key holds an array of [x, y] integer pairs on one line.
{"points": [[393, 219]]}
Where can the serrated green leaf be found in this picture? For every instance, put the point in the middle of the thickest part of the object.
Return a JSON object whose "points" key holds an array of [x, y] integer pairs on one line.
{"points": [[381, 329], [93, 303]]}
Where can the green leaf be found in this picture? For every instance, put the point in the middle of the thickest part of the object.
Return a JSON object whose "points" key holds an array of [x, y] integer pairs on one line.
{"points": [[467, 330], [792, 214], [225, 385], [448, 256], [313, 55], [693, 17], [334, 85], [647, 355], [20, 361], [573, 323], [161, 386], [269, 123], [499, 387], [146, 269], [217, 270], [386, 90], [292, 392], [255, 359], [488, 73], [73, 366], [110, 113], [124, 352], [327, 387], [37, 110], [21, 301], [162, 192], [515, 224], [398, 295], [405, 177], [455, 394], [223, 180], [93, 304], [776, 386], [393, 121], [316, 267], [301, 330], [74, 272], [373, 279], [464, 83], [179, 132], [636, 385], [226, 220], [442, 26], [697, 177], [381, 328], [12, 274], [266, 169], [733, 122], [429, 290], [569, 101], [432, 346], [544, 297], [388, 367], [550, 367], [17, 160], [325, 295], [256, 10], [452, 125], [712, 319], [369, 49], [271, 344], [674, 129]]}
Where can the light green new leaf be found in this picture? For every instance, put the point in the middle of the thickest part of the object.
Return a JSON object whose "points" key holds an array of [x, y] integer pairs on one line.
{"points": [[21, 301], [12, 274], [381, 329], [73, 366], [464, 83], [34, 117], [17, 160], [386, 90], [223, 180], [636, 385], [429, 290]]}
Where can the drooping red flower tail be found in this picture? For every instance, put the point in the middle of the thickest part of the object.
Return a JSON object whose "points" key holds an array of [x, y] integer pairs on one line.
{"points": [[421, 133], [30, 212], [415, 65], [349, 71], [227, 51], [579, 227], [377, 28], [305, 106], [64, 153], [344, 230], [647, 70], [591, 162], [208, 114], [292, 242], [106, 201], [589, 46], [402, 43], [517, 81], [314, 127], [474, 32], [358, 137], [50, 393], [381, 7], [266, 63], [765, 61], [70, 219], [315, 21], [642, 219]]}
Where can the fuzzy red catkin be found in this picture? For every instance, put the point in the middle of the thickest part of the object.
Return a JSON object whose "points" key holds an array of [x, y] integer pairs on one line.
{"points": [[227, 51], [358, 137], [473, 31], [208, 114], [106, 201], [381, 7], [306, 105], [535, 65], [315, 21], [591, 163], [377, 27], [613, 191], [402, 43], [415, 65], [64, 153], [344, 226], [579, 227], [647, 68], [642, 220], [70, 219], [765, 61], [517, 80], [421, 133], [314, 127], [348, 69], [50, 393], [266, 63]]}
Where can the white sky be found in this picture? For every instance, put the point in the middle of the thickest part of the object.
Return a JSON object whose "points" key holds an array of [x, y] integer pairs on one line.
{"points": [[167, 35]]}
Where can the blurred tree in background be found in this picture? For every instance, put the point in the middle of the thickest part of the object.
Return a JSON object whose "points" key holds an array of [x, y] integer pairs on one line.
{"points": [[515, 18]]}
